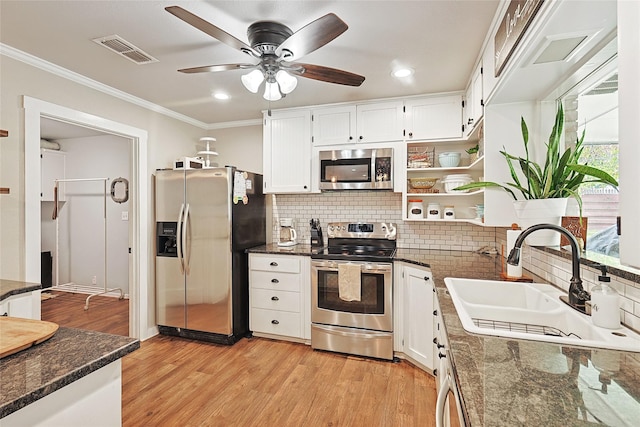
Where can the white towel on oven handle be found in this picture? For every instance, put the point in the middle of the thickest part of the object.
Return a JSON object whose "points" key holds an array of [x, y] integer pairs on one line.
{"points": [[349, 285]]}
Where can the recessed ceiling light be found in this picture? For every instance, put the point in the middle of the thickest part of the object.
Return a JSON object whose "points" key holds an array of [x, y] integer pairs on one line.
{"points": [[221, 96], [402, 72]]}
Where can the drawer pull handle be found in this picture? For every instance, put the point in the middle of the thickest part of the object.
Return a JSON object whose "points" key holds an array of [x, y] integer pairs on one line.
{"points": [[275, 281], [273, 264], [440, 355], [275, 299], [435, 341], [275, 322], [426, 278]]}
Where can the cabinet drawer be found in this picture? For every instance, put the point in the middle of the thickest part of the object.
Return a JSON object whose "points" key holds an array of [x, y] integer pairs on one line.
{"points": [[282, 264], [275, 322], [275, 300], [274, 281]]}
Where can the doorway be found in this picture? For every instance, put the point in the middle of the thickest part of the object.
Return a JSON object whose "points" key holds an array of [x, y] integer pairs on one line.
{"points": [[34, 112]]}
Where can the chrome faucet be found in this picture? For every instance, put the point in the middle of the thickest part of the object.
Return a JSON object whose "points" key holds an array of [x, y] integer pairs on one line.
{"points": [[577, 295]]}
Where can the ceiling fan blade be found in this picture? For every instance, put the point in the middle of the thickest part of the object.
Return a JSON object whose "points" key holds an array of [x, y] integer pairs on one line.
{"points": [[326, 74], [216, 68], [311, 37], [210, 29]]}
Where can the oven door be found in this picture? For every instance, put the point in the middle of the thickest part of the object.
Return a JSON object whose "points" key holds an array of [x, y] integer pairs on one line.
{"points": [[373, 311]]}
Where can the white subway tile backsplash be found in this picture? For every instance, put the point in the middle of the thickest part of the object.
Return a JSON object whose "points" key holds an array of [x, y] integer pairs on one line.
{"points": [[377, 206]]}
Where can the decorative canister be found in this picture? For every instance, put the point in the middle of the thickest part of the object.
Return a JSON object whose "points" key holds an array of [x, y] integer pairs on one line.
{"points": [[415, 209], [433, 211], [449, 212]]}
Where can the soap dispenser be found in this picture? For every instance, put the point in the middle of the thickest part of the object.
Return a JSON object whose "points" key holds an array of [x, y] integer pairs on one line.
{"points": [[605, 305]]}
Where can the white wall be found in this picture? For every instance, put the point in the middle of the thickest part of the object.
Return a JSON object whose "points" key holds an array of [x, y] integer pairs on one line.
{"points": [[168, 138], [82, 219]]}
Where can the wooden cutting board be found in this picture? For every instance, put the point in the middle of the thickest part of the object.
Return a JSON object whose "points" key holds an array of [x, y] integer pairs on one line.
{"points": [[17, 334]]}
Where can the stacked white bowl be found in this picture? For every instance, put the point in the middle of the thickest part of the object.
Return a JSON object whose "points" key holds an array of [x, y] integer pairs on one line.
{"points": [[456, 180], [449, 159]]}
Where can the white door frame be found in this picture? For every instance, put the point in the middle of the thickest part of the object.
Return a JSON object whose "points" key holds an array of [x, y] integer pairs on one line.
{"points": [[33, 110]]}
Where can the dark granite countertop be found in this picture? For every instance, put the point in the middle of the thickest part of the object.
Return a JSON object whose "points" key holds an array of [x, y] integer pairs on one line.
{"points": [[523, 383], [13, 287], [274, 249], [69, 355]]}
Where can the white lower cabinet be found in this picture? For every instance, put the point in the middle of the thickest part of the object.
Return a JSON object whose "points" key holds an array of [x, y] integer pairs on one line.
{"points": [[25, 305], [279, 293], [413, 318]]}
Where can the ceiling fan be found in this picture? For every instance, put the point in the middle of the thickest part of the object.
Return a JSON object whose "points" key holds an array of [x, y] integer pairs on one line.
{"points": [[277, 47]]}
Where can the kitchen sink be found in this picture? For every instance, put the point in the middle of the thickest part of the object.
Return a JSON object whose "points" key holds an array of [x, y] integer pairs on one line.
{"points": [[530, 311]]}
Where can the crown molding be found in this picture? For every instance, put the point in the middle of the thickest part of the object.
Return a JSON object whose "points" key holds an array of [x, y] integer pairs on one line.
{"points": [[49, 67]]}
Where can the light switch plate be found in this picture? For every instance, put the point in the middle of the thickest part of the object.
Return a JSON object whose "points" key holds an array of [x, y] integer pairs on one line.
{"points": [[125, 215]]}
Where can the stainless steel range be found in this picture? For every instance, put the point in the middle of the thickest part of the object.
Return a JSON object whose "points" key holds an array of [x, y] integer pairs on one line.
{"points": [[351, 282]]}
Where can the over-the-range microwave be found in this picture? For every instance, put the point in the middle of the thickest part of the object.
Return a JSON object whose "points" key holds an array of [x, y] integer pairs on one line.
{"points": [[360, 169]]}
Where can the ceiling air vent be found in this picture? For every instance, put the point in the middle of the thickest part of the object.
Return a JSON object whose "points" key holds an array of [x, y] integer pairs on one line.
{"points": [[123, 48], [608, 86]]}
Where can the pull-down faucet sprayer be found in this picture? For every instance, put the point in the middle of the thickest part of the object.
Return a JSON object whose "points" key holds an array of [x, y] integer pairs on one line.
{"points": [[577, 295]]}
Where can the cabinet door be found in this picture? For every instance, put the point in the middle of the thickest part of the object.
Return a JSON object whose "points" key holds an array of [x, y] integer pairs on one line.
{"points": [[437, 117], [334, 125], [380, 122], [468, 112], [418, 315], [477, 109], [287, 152], [52, 165]]}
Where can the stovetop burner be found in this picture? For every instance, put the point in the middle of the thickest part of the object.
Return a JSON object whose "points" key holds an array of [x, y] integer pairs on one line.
{"points": [[359, 242]]}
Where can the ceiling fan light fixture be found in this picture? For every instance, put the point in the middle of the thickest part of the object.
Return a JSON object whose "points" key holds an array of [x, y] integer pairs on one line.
{"points": [[272, 91], [286, 81], [252, 80]]}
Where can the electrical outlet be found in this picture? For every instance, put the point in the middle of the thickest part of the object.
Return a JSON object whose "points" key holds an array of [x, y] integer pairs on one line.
{"points": [[125, 215], [94, 280]]}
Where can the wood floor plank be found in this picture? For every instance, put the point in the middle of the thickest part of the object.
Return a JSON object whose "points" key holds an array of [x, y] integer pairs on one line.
{"points": [[172, 381]]}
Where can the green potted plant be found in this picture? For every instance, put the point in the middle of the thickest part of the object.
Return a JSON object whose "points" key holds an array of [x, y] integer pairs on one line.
{"points": [[558, 178], [473, 153]]}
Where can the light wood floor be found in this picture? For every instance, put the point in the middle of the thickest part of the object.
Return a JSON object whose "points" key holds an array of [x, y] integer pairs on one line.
{"points": [[105, 314], [172, 381]]}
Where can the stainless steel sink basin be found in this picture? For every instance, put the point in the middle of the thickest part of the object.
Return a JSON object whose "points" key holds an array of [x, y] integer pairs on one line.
{"points": [[530, 311]]}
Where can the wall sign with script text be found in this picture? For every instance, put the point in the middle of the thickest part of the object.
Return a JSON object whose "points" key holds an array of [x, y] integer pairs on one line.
{"points": [[513, 26]]}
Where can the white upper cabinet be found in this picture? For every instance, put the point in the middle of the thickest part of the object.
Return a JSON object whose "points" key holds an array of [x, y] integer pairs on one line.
{"points": [[379, 122], [474, 103], [334, 125], [287, 152], [434, 117], [52, 167]]}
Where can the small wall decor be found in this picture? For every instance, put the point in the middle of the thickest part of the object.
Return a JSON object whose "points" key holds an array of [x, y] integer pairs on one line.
{"points": [[577, 228]]}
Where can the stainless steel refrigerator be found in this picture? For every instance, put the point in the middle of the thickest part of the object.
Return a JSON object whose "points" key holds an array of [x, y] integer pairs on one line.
{"points": [[205, 220]]}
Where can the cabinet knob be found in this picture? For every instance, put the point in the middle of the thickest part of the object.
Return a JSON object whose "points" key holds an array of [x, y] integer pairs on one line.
{"points": [[273, 264], [426, 278], [275, 281], [275, 322], [350, 138], [305, 187], [438, 345], [440, 355], [435, 312], [470, 121], [435, 372], [361, 137], [275, 299], [410, 134]]}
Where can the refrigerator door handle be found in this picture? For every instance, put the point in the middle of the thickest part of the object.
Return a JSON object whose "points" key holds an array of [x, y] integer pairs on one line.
{"points": [[179, 239], [186, 243]]}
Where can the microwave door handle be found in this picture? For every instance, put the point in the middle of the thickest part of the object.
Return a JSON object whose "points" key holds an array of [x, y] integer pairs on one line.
{"points": [[179, 239]]}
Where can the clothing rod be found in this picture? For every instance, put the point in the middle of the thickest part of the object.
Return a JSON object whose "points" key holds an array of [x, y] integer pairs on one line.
{"points": [[81, 179]]}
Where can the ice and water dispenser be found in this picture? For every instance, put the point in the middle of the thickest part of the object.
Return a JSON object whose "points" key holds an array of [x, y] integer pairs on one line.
{"points": [[166, 244]]}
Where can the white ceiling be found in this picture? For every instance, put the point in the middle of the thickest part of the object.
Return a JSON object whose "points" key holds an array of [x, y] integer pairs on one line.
{"points": [[440, 40]]}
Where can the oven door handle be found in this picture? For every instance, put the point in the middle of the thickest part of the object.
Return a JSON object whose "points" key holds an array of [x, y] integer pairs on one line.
{"points": [[364, 267]]}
